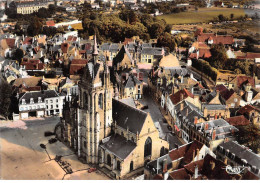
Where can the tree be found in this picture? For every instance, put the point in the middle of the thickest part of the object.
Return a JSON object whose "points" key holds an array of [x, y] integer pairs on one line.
{"points": [[221, 18], [5, 101], [231, 16], [34, 27], [18, 55], [166, 40], [219, 56]]}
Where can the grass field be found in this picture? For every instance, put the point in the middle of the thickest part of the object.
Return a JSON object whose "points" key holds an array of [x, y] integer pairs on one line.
{"points": [[203, 15]]}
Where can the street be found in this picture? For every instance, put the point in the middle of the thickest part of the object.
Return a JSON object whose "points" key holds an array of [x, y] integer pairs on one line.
{"points": [[22, 157]]}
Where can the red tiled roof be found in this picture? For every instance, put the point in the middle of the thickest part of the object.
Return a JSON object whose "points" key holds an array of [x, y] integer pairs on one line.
{"points": [[191, 166], [127, 40], [217, 39], [204, 37], [64, 47], [242, 79], [199, 31], [79, 61], [180, 174], [10, 42], [252, 55], [238, 121], [27, 40], [50, 23], [193, 147], [176, 98], [157, 177], [221, 88], [33, 65], [246, 109], [226, 94], [203, 53], [218, 172]]}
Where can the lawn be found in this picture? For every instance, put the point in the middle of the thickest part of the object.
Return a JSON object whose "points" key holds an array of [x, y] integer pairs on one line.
{"points": [[203, 15]]}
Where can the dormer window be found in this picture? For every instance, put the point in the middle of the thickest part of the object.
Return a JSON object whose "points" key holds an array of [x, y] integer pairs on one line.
{"points": [[39, 99], [23, 101], [31, 101]]}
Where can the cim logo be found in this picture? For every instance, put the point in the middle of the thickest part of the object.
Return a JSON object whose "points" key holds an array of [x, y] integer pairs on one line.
{"points": [[234, 170]]}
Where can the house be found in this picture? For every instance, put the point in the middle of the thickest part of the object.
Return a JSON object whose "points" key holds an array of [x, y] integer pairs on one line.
{"points": [[40, 103], [251, 113], [176, 159], [208, 168], [123, 59], [219, 4], [77, 66], [234, 154], [212, 133], [211, 38], [238, 121]]}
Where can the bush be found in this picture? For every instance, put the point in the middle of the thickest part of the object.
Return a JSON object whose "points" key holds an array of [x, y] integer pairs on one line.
{"points": [[205, 67]]}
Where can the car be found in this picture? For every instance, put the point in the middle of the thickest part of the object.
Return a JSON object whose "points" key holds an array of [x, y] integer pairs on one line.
{"points": [[91, 170]]}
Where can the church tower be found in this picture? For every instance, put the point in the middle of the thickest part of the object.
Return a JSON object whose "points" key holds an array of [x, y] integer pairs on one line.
{"points": [[95, 107]]}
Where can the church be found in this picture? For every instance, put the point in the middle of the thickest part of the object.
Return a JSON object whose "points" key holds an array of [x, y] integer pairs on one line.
{"points": [[106, 132]]}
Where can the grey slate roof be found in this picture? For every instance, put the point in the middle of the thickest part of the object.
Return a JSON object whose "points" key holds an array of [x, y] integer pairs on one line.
{"points": [[151, 51], [242, 153], [43, 94], [132, 81], [119, 146], [129, 117], [214, 106]]}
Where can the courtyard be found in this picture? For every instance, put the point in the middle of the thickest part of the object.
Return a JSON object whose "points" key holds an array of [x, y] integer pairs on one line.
{"points": [[21, 156]]}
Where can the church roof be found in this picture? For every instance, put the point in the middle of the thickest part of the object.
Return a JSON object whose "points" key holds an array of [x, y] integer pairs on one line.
{"points": [[119, 146], [129, 117]]}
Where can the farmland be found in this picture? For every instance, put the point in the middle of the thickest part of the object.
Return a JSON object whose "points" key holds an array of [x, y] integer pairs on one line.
{"points": [[203, 15]]}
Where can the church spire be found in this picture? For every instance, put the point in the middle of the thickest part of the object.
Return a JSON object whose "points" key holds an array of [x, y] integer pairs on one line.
{"points": [[95, 50]]}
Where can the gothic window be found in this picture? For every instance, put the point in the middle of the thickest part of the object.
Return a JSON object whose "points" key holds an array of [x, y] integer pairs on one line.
{"points": [[85, 100], [148, 147], [118, 166], [108, 160], [131, 166], [100, 101]]}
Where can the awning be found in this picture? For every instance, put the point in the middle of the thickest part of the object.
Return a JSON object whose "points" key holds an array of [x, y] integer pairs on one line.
{"points": [[176, 128]]}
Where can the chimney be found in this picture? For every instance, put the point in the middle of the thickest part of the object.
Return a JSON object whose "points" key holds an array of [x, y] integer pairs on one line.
{"points": [[216, 116], [214, 134], [212, 163], [195, 119], [182, 106], [206, 126], [193, 155], [198, 154], [196, 172], [181, 96]]}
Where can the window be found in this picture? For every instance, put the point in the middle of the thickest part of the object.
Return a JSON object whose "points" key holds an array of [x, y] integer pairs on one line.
{"points": [[57, 105], [148, 147], [100, 101], [51, 101], [149, 60], [118, 165], [51, 106], [235, 100], [38, 106], [131, 166], [162, 151], [108, 160], [47, 107], [85, 100], [46, 101], [57, 100]]}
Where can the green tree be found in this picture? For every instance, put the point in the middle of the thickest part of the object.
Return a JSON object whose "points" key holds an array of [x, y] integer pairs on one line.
{"points": [[219, 56], [231, 16], [166, 40], [18, 55], [5, 101], [34, 27]]}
